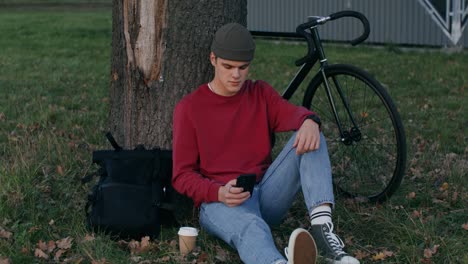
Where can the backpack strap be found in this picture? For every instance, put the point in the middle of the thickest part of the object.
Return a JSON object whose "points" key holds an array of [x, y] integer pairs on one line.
{"points": [[114, 143]]}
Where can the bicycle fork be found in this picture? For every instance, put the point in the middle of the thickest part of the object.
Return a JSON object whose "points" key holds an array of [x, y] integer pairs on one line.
{"points": [[354, 134]]}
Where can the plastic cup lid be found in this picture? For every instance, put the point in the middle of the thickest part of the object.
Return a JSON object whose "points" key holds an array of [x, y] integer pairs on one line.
{"points": [[188, 231]]}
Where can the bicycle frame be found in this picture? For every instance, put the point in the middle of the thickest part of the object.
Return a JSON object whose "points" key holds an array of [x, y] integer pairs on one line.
{"points": [[349, 91], [347, 137]]}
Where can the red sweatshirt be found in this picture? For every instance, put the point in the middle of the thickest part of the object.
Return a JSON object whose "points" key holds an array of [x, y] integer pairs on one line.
{"points": [[217, 138]]}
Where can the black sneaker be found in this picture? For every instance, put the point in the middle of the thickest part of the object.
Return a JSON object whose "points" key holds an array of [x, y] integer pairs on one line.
{"points": [[301, 248], [330, 246]]}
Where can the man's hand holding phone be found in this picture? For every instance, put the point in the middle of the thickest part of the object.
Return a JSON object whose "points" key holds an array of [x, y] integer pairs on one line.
{"points": [[237, 191], [247, 182]]}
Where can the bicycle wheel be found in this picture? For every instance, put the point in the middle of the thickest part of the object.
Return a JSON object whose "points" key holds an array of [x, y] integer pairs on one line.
{"points": [[369, 163]]}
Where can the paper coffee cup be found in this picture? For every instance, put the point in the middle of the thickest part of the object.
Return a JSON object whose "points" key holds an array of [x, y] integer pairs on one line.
{"points": [[187, 239]]}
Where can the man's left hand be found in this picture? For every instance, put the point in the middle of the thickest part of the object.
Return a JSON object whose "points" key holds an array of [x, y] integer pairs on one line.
{"points": [[307, 137]]}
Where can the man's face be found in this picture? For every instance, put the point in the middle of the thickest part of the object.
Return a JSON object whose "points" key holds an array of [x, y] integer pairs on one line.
{"points": [[229, 75]]}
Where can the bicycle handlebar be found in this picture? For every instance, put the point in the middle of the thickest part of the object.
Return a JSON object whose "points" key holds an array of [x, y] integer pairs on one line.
{"points": [[301, 30]]}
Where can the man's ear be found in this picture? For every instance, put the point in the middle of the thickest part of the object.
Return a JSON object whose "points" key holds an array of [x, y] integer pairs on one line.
{"points": [[213, 59]]}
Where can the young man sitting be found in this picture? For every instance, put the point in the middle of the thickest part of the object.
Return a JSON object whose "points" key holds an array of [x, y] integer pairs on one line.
{"points": [[222, 130]]}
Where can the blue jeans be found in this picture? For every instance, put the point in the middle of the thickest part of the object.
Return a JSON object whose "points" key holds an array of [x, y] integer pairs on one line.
{"points": [[246, 227]]}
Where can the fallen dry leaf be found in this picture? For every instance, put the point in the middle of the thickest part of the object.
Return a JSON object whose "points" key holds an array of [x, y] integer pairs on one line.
{"points": [[378, 256], [33, 229], [164, 259], [221, 254], [383, 255], [444, 186], [429, 252], [64, 243], [145, 242], [360, 254], [58, 254], [437, 201], [349, 240], [24, 250], [202, 258], [122, 243], [465, 226], [134, 246], [5, 234], [89, 238], [40, 254], [416, 172], [411, 195], [416, 214], [173, 244], [72, 144], [60, 170], [137, 247], [42, 245], [50, 246]]}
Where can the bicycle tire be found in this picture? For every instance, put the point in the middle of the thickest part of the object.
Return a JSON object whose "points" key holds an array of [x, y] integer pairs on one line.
{"points": [[372, 168]]}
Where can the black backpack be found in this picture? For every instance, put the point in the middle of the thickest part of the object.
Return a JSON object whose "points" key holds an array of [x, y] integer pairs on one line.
{"points": [[133, 196]]}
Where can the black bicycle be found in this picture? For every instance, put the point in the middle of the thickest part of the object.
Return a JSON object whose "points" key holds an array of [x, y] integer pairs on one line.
{"points": [[365, 135]]}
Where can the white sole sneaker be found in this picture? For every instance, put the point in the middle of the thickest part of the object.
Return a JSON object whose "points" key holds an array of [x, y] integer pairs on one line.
{"points": [[301, 248]]}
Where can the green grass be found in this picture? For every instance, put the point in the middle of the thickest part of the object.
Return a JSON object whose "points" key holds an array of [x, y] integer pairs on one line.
{"points": [[54, 84]]}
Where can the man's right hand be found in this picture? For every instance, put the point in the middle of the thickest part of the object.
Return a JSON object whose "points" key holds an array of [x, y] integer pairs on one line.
{"points": [[232, 196]]}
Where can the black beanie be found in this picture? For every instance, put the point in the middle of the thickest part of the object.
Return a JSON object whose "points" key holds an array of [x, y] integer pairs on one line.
{"points": [[233, 42]]}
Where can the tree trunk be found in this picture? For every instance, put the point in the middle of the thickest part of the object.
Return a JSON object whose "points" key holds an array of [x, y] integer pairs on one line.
{"points": [[160, 52]]}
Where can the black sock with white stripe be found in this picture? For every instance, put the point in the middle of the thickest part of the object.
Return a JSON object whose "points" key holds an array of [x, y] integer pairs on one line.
{"points": [[320, 215]]}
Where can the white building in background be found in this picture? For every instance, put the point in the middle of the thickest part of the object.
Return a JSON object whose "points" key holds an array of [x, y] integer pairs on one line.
{"points": [[408, 22]]}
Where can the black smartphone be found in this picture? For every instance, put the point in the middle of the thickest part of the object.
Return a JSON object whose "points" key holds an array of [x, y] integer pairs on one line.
{"points": [[246, 181]]}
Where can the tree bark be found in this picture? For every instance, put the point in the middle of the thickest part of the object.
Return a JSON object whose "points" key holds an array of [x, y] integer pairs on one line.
{"points": [[160, 52]]}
